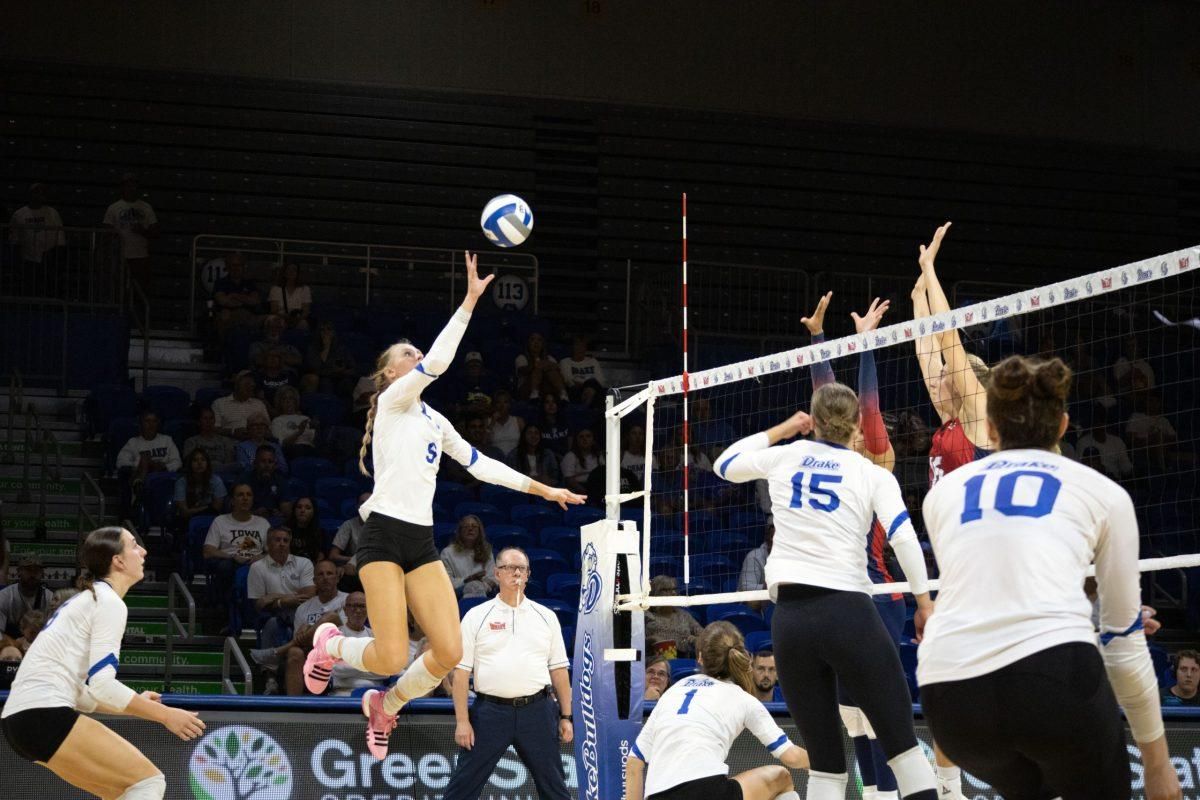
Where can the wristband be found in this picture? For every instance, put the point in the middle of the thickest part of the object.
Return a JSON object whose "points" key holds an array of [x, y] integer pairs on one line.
{"points": [[568, 717]]}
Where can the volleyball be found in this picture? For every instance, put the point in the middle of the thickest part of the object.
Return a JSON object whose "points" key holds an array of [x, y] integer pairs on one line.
{"points": [[507, 220]]}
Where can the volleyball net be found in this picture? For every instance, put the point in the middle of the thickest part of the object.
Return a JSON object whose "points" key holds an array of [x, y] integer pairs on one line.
{"points": [[1129, 334]]}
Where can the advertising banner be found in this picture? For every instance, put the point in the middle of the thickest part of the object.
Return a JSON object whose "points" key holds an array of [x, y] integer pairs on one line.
{"points": [[293, 756]]}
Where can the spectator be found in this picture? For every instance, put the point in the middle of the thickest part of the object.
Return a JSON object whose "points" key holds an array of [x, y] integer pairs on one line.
{"points": [[582, 375], [278, 585], [29, 593], [59, 597], [1131, 371], [658, 677], [534, 459], [233, 410], [134, 220], [469, 561], [361, 400], [513, 671], [221, 450], [198, 490], [266, 484], [345, 677], [304, 522], [553, 423], [324, 606], [345, 547], [670, 632], [753, 574], [273, 328], [633, 452], [290, 297], [37, 231], [5, 550], [31, 625], [537, 370], [1151, 435], [257, 428], [477, 435], [580, 460], [149, 451], [1113, 454], [296, 432], [506, 427], [274, 376], [474, 386], [1187, 681], [234, 541], [766, 681], [329, 366], [236, 298]]}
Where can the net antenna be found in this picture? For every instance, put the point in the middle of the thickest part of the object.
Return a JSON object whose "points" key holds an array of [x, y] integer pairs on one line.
{"points": [[687, 574], [1008, 309]]}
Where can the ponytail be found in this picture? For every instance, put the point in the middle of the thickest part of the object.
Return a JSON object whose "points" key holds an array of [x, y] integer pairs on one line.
{"points": [[381, 383], [724, 655]]}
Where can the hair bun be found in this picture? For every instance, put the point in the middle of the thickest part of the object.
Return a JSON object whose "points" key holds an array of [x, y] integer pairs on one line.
{"points": [[1052, 379], [1010, 379]]}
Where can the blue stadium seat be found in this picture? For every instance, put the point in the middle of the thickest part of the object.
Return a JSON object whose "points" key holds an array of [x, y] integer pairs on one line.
{"points": [[294, 487], [757, 641], [566, 592], [180, 430], [502, 536], [328, 408], [120, 431], [666, 565], [193, 552], [108, 402], [578, 516], [564, 541], [169, 402], [682, 668], [349, 507], [158, 498], [558, 580], [467, 603], [449, 494], [568, 633], [502, 497], [324, 509], [310, 468], [564, 611], [229, 475], [746, 622], [336, 490], [205, 395], [535, 517], [544, 563], [488, 514], [443, 533]]}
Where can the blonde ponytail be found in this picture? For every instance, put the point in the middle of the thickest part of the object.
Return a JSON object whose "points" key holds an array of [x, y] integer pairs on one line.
{"points": [[381, 383]]}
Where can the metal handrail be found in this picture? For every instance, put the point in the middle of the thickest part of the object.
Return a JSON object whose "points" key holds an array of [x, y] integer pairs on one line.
{"points": [[232, 650], [175, 585], [137, 299], [16, 401], [42, 441], [92, 522]]}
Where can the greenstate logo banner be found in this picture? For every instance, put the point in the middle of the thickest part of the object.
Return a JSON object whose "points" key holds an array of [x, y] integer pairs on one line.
{"points": [[237, 762]]}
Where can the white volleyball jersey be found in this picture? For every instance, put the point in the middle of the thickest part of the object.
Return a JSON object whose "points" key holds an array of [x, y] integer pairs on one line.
{"points": [[81, 642], [409, 437], [690, 731], [824, 499], [1014, 533]]}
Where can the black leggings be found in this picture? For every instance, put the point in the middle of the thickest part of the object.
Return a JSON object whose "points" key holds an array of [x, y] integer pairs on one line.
{"points": [[1046, 726], [824, 637]]}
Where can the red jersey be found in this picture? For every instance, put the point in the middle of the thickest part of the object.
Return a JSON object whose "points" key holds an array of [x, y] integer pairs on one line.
{"points": [[950, 450], [876, 560]]}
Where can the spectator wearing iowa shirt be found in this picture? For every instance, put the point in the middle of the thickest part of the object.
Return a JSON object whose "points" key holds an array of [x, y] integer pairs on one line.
{"points": [[234, 541]]}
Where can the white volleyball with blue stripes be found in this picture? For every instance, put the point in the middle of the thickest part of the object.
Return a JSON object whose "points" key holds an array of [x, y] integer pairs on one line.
{"points": [[507, 220]]}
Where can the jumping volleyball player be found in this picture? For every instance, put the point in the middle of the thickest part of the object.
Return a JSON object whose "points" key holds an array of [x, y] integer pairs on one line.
{"points": [[1011, 680], [397, 561], [686, 741], [873, 443], [826, 630], [72, 667]]}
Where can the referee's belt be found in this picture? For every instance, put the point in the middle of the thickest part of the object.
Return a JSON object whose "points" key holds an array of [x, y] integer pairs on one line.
{"points": [[512, 701]]}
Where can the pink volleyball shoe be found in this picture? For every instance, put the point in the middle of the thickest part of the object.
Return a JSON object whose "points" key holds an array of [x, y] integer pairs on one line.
{"points": [[379, 723], [318, 666]]}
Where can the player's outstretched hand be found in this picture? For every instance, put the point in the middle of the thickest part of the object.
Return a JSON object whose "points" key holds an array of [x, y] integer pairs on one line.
{"points": [[928, 253], [816, 323], [870, 321], [564, 497], [799, 424], [476, 285], [187, 725]]}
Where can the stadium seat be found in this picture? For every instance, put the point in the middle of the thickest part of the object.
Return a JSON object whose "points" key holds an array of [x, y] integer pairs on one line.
{"points": [[560, 579], [230, 473], [682, 668], [535, 517], [349, 507], [502, 497], [746, 622], [109, 402], [666, 565], [180, 430], [564, 541], [449, 494], [567, 592], [467, 603], [310, 468], [443, 533], [757, 641], [578, 516], [488, 514], [169, 402], [328, 408], [568, 633], [502, 536], [205, 395], [564, 611], [544, 563], [158, 498], [120, 431], [193, 552], [336, 490]]}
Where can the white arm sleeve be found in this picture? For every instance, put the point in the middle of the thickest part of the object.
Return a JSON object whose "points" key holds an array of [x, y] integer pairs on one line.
{"points": [[486, 469], [889, 508], [743, 460], [108, 626], [408, 388], [1122, 640]]}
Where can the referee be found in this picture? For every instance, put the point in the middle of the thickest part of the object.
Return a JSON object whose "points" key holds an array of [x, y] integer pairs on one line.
{"points": [[515, 648]]}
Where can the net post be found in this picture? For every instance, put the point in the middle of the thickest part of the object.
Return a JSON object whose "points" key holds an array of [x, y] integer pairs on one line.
{"points": [[612, 464], [608, 684]]}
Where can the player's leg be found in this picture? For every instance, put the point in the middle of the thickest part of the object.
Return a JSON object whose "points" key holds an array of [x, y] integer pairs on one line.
{"points": [[892, 613], [766, 783], [855, 723], [98, 760], [435, 608]]}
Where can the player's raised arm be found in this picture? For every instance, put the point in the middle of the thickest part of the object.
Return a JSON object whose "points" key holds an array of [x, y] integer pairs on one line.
{"points": [[747, 459]]}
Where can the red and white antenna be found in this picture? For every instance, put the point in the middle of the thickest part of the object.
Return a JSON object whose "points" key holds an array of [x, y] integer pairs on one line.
{"points": [[686, 433]]}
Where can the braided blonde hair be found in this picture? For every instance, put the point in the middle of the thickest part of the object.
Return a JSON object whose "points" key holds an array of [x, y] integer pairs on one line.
{"points": [[381, 383]]}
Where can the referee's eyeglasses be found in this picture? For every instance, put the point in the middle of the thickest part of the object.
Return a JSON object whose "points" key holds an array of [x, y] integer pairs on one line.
{"points": [[516, 569]]}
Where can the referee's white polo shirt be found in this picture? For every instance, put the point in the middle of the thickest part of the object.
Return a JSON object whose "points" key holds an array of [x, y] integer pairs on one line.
{"points": [[510, 649]]}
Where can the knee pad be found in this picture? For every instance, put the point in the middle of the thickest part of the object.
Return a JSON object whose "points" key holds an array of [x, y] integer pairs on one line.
{"points": [[913, 772], [149, 789], [827, 785], [854, 720]]}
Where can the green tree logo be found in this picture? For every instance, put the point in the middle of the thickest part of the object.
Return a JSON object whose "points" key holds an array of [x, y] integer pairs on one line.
{"points": [[239, 763]]}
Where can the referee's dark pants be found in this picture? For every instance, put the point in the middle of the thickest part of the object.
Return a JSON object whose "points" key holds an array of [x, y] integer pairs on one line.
{"points": [[531, 727]]}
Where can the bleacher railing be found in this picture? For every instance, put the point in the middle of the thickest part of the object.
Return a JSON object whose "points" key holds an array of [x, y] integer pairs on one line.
{"points": [[176, 590], [75, 265], [356, 274], [229, 655]]}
